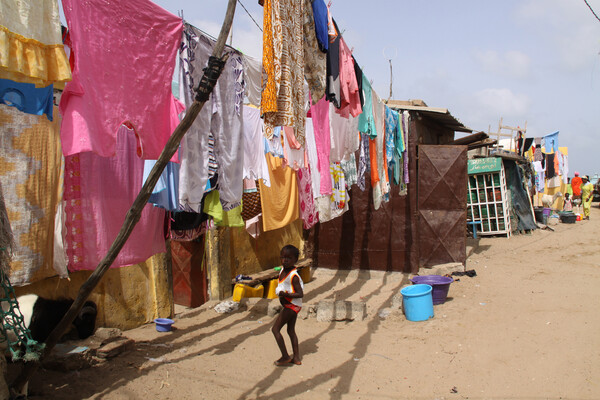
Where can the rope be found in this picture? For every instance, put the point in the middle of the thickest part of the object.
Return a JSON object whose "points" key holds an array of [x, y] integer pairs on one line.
{"points": [[209, 78], [250, 15], [13, 331], [590, 7]]}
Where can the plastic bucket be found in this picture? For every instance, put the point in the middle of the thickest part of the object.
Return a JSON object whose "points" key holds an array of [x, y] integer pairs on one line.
{"points": [[439, 283], [163, 324], [417, 302]]}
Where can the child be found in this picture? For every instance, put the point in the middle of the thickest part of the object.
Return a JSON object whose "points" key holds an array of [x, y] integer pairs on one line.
{"points": [[290, 291], [568, 204]]}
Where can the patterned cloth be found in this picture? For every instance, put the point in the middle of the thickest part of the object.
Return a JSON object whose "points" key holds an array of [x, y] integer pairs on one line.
{"points": [[315, 61], [31, 169], [308, 212], [349, 168], [405, 125], [364, 161], [282, 102], [537, 155], [250, 200], [333, 206], [391, 131]]}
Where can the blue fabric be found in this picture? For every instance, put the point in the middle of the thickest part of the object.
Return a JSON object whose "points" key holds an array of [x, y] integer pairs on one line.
{"points": [[320, 16], [27, 98], [391, 132], [551, 142], [166, 191]]}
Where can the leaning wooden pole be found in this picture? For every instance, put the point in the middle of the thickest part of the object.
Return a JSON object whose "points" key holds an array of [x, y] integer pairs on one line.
{"points": [[207, 83]]}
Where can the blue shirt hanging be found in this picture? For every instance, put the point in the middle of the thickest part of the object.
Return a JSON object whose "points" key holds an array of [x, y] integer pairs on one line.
{"points": [[551, 142], [27, 98]]}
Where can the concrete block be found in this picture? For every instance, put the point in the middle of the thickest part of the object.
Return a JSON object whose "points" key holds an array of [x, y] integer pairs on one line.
{"points": [[115, 348], [308, 311], [105, 335], [442, 269], [329, 310]]}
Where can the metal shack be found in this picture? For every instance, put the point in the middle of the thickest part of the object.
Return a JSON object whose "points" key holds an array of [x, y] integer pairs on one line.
{"points": [[423, 228]]}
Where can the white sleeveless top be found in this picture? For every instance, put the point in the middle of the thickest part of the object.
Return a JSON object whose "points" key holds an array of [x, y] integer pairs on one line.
{"points": [[285, 285]]}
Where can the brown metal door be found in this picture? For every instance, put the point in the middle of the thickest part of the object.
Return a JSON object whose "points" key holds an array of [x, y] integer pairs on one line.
{"points": [[442, 204], [190, 287]]}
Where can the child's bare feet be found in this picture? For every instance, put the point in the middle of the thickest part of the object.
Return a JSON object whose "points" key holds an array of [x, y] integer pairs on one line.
{"points": [[296, 361], [283, 361]]}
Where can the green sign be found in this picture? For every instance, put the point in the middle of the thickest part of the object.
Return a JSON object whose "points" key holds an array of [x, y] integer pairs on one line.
{"points": [[484, 165]]}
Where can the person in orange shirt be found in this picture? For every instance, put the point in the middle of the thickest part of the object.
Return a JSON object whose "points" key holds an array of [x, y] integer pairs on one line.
{"points": [[576, 186]]}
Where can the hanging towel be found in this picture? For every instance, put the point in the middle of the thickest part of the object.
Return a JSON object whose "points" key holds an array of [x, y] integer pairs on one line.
{"points": [[32, 49], [320, 118], [279, 202], [123, 73]]}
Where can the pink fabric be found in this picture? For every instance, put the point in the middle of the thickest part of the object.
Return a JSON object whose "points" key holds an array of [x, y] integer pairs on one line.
{"points": [[350, 102], [98, 193], [124, 60], [308, 212], [320, 118]]}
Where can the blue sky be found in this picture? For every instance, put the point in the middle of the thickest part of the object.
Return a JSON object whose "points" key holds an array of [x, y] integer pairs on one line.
{"points": [[529, 60]]}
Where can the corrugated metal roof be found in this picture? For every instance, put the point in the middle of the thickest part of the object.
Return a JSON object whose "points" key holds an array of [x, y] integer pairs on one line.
{"points": [[440, 115]]}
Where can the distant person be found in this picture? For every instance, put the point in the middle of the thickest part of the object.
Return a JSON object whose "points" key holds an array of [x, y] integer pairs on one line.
{"points": [[569, 188], [568, 203], [587, 195], [290, 291], [576, 186]]}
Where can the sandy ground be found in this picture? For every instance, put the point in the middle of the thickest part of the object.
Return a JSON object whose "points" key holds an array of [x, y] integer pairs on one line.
{"points": [[526, 327]]}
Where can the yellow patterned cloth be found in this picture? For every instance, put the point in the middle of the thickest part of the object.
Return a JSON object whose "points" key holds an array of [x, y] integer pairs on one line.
{"points": [[31, 48], [31, 170], [282, 102]]}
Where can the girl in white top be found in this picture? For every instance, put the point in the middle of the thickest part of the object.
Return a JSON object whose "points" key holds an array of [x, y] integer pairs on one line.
{"points": [[290, 291]]}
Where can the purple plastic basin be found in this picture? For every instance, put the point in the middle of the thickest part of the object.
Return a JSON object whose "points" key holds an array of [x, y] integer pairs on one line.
{"points": [[439, 283]]}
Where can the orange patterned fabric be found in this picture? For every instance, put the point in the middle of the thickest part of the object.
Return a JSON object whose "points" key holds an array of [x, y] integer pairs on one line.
{"points": [[271, 56], [282, 101]]}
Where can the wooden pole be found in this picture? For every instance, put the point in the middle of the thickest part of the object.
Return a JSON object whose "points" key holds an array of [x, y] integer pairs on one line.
{"points": [[133, 215]]}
